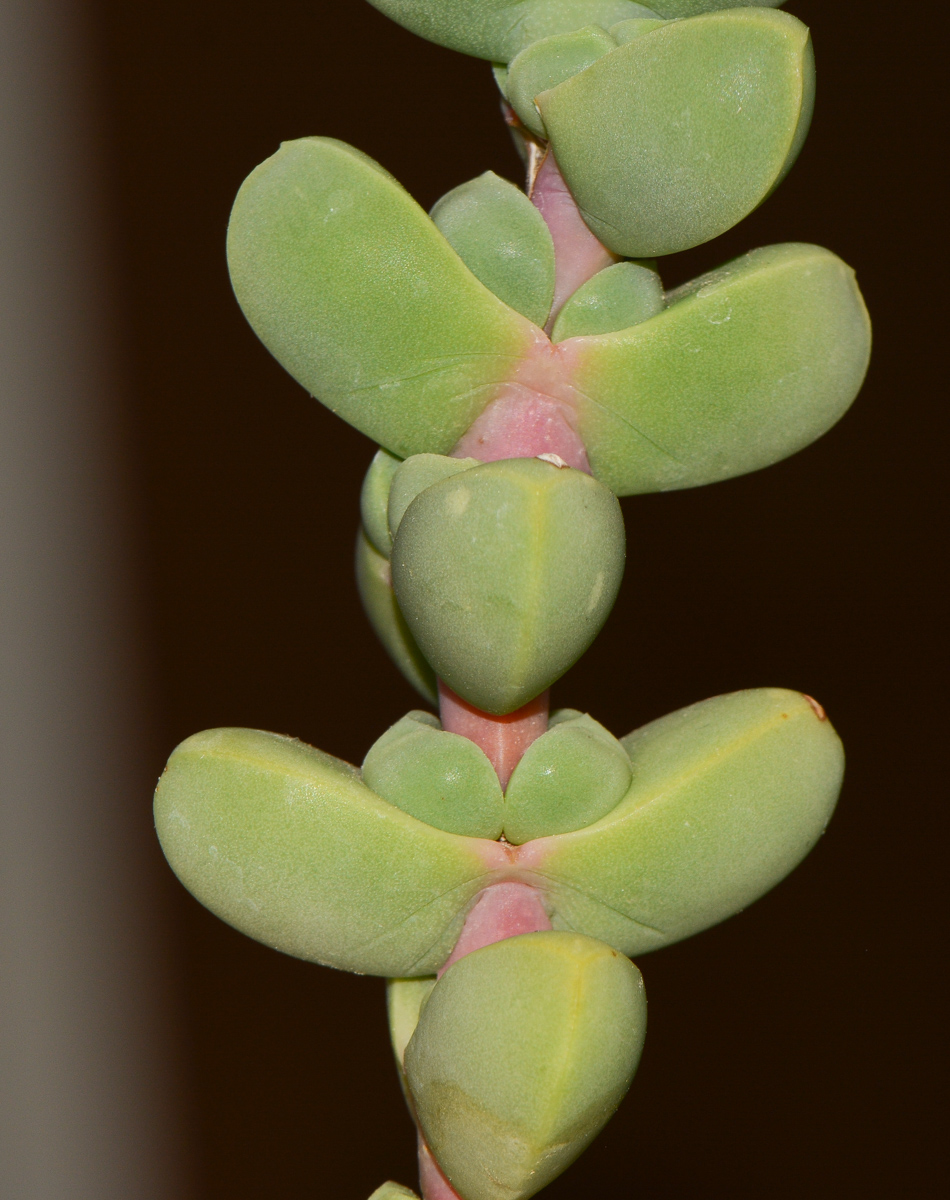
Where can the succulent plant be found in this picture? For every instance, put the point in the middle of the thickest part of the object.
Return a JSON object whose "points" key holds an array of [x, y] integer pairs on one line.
{"points": [[519, 364]]}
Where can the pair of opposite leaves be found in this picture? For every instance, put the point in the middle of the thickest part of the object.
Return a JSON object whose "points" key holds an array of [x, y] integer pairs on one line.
{"points": [[667, 133], [292, 846], [367, 303]]}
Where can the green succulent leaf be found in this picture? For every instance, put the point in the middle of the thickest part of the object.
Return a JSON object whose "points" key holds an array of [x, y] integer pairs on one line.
{"points": [[499, 29], [505, 575], [727, 797], [746, 365], [503, 240], [393, 1191], [693, 8], [438, 777], [374, 500], [614, 299], [415, 475], [353, 289], [288, 845], [567, 779], [374, 583], [626, 31], [522, 1052], [545, 64], [405, 999], [673, 138]]}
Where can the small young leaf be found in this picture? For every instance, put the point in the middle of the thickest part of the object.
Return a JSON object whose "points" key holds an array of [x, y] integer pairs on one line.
{"points": [[405, 999], [415, 475], [503, 240], [567, 779], [438, 777], [393, 1191], [616, 298], [374, 500], [545, 64]]}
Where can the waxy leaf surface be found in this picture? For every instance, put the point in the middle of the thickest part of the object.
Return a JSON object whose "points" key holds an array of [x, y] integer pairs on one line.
{"points": [[416, 474], [503, 240], [614, 299], [545, 64], [353, 289], [505, 575], [523, 1051], [498, 29], [567, 779], [288, 845], [727, 797], [441, 778], [673, 138], [746, 366]]}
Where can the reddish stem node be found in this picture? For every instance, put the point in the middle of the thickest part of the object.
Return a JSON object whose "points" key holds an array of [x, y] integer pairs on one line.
{"points": [[504, 739], [432, 1183], [578, 255], [502, 911]]}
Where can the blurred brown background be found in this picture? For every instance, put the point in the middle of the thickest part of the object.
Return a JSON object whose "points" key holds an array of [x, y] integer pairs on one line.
{"points": [[792, 1051]]}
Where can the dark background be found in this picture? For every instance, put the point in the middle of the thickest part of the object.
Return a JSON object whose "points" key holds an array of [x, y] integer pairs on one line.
{"points": [[793, 1050]]}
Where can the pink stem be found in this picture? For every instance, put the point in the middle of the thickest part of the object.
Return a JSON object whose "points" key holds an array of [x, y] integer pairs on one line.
{"points": [[578, 255], [432, 1183], [534, 414], [504, 739], [528, 418], [502, 911]]}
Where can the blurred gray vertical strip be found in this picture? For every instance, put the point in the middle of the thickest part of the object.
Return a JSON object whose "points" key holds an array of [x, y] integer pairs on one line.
{"points": [[86, 1087]]}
